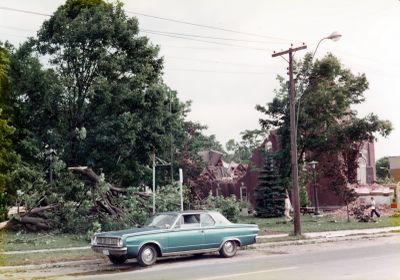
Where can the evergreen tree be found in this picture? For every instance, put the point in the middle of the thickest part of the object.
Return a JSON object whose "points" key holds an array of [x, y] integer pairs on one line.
{"points": [[270, 195]]}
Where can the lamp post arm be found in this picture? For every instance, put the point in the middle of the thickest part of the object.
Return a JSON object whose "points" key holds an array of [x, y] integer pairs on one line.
{"points": [[315, 51]]}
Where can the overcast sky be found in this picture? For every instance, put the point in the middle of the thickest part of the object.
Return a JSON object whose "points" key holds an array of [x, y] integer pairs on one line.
{"points": [[226, 79]]}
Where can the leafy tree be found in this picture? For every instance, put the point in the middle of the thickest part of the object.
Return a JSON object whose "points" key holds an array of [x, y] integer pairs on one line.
{"points": [[227, 206], [191, 142], [6, 153], [326, 123], [115, 108], [382, 170], [269, 193], [243, 150], [37, 107], [304, 179], [101, 103]]}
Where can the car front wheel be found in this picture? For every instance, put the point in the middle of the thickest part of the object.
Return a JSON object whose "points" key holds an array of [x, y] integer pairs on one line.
{"points": [[147, 255], [229, 249], [118, 259]]}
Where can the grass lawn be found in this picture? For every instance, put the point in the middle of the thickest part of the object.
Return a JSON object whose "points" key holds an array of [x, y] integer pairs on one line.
{"points": [[47, 257], [313, 224], [19, 241]]}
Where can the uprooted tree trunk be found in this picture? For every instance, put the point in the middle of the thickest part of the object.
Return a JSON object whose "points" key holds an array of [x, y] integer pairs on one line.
{"points": [[102, 202], [31, 219], [107, 202]]}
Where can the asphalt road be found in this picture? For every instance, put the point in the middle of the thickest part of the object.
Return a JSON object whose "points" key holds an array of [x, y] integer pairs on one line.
{"points": [[372, 258], [375, 258]]}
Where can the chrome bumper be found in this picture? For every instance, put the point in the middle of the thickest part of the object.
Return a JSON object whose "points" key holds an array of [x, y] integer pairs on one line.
{"points": [[106, 250]]}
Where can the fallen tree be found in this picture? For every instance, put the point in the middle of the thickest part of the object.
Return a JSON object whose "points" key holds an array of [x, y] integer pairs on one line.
{"points": [[31, 219], [83, 201]]}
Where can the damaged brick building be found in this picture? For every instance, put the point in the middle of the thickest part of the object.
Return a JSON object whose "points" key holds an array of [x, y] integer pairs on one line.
{"points": [[240, 180]]}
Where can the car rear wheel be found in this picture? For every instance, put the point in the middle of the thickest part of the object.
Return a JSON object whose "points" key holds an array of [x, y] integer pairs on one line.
{"points": [[147, 255], [118, 259], [229, 249]]}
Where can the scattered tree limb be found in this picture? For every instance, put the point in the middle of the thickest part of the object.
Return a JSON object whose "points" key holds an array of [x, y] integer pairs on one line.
{"points": [[6, 224], [41, 209]]}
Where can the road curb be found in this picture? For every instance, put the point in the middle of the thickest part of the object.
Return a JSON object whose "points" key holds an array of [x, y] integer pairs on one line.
{"points": [[50, 265], [44, 250], [319, 240]]}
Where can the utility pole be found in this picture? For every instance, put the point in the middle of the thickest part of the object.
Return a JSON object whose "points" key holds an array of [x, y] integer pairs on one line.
{"points": [[172, 141], [180, 186], [154, 183], [293, 138]]}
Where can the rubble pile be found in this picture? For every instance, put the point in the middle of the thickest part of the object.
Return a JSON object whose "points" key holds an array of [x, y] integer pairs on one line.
{"points": [[341, 213]]}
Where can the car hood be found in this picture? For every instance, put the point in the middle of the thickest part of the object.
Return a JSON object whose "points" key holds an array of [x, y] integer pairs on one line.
{"points": [[120, 233]]}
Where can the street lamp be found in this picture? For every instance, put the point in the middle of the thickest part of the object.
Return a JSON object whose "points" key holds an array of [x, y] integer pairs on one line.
{"points": [[293, 127], [335, 36], [313, 165]]}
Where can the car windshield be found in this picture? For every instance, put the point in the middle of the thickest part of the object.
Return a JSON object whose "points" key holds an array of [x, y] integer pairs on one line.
{"points": [[161, 220]]}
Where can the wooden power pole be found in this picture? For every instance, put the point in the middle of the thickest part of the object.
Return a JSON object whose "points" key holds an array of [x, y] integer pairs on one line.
{"points": [[293, 138]]}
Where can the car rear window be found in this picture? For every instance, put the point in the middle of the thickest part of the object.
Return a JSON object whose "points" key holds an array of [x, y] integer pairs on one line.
{"points": [[220, 219], [206, 220]]}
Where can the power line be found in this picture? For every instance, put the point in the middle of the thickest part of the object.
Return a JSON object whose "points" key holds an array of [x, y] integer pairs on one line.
{"points": [[205, 41], [215, 61], [207, 26], [216, 72], [24, 11], [160, 18], [207, 37], [159, 32]]}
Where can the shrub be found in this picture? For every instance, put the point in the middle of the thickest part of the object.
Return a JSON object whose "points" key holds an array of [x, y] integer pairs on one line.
{"points": [[227, 206]]}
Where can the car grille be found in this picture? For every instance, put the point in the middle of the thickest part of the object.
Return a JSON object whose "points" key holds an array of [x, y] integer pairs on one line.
{"points": [[108, 241]]}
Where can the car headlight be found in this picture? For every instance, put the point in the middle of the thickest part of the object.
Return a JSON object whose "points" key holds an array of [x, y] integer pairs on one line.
{"points": [[120, 242]]}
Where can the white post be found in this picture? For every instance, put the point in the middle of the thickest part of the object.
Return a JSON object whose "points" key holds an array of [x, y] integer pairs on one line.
{"points": [[180, 186], [154, 183]]}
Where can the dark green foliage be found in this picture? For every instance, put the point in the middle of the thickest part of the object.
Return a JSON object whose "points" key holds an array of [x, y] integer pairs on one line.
{"points": [[304, 179], [7, 154], [3, 206], [227, 206], [137, 208], [102, 104], [382, 170], [326, 124], [269, 193], [243, 150], [114, 106]]}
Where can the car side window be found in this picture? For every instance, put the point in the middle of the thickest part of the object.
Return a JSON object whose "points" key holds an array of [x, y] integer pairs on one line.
{"points": [[190, 221], [206, 220]]}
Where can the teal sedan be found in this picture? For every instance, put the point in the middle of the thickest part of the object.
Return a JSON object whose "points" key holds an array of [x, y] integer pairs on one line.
{"points": [[175, 233]]}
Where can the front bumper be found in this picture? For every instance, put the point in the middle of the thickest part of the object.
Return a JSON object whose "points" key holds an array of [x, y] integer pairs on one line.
{"points": [[110, 251]]}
